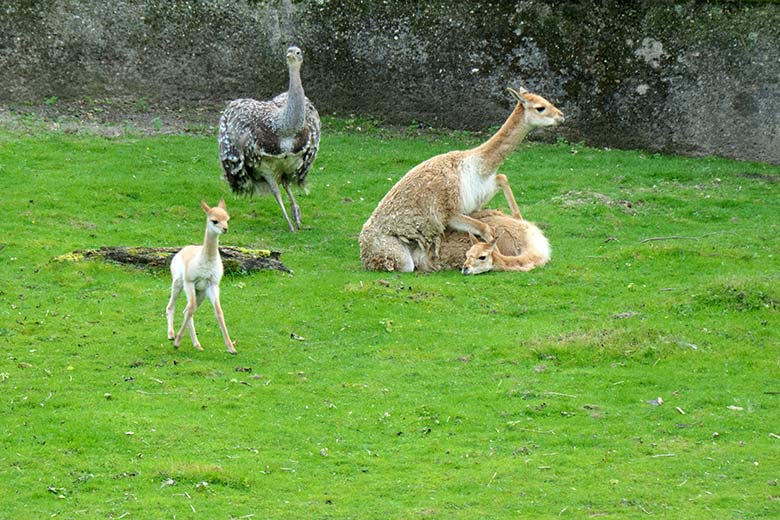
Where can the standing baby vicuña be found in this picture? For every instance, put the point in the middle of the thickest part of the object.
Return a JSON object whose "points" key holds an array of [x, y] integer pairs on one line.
{"points": [[198, 270]]}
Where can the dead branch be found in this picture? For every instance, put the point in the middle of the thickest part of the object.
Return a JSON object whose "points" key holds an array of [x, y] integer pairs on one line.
{"points": [[678, 237], [234, 259], [672, 237]]}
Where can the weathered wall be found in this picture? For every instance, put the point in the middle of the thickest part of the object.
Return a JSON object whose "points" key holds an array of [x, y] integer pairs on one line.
{"points": [[687, 77]]}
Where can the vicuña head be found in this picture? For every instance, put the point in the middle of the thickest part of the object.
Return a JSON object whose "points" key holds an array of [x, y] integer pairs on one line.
{"points": [[479, 259], [218, 217], [538, 111]]}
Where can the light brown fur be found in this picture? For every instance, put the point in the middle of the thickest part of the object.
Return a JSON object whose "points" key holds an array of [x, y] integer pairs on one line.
{"points": [[405, 230], [455, 244], [197, 269], [519, 246], [514, 237]]}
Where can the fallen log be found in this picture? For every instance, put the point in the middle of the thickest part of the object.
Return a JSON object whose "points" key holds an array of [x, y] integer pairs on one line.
{"points": [[234, 259]]}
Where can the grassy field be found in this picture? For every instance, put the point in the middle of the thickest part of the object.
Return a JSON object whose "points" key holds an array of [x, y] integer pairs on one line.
{"points": [[372, 395]]}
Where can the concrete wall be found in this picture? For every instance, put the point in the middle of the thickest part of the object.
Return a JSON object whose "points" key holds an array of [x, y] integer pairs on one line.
{"points": [[685, 77]]}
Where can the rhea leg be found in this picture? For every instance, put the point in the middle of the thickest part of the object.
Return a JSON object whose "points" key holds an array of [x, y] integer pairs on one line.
{"points": [[274, 187], [295, 208]]}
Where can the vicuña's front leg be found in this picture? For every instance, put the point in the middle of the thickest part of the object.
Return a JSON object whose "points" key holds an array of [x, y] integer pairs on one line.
{"points": [[471, 225], [503, 183], [213, 295]]}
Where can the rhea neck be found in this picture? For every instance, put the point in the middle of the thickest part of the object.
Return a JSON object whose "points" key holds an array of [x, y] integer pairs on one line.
{"points": [[495, 150], [294, 113]]}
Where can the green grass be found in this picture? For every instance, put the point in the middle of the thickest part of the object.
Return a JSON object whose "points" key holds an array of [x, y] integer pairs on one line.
{"points": [[507, 395]]}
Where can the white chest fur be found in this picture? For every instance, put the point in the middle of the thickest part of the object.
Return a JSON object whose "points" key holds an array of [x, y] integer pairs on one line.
{"points": [[205, 272], [476, 186]]}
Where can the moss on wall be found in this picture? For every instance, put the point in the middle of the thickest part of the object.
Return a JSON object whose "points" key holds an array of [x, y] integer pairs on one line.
{"points": [[691, 77]]}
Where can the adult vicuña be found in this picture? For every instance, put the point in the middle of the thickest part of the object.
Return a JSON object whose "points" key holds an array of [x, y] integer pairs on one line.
{"points": [[198, 270], [265, 143], [441, 192], [519, 246]]}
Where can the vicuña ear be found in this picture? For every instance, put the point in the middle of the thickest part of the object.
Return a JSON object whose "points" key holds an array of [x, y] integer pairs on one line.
{"points": [[221, 203], [205, 206], [518, 95], [473, 239]]}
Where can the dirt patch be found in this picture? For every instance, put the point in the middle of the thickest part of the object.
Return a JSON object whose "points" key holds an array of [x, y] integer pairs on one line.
{"points": [[763, 177], [110, 118], [582, 198]]}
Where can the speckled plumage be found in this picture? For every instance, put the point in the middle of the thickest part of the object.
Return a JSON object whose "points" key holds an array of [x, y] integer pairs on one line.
{"points": [[247, 138], [266, 143]]}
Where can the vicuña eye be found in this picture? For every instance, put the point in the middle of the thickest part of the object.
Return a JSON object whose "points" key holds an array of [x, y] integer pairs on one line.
{"points": [[541, 109], [215, 222], [483, 257]]}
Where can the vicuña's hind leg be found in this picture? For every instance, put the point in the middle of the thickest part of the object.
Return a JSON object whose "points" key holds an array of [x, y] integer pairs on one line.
{"points": [[189, 312], [191, 330], [170, 310], [397, 255], [386, 254]]}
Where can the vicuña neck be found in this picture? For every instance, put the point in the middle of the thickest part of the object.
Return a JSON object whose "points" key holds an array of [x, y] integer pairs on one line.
{"points": [[293, 116], [505, 263], [496, 149], [211, 245]]}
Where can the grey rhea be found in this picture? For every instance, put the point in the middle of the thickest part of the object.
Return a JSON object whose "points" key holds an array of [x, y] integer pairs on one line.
{"points": [[263, 144]]}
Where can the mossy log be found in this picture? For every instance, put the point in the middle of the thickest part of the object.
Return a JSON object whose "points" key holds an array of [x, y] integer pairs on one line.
{"points": [[234, 259]]}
